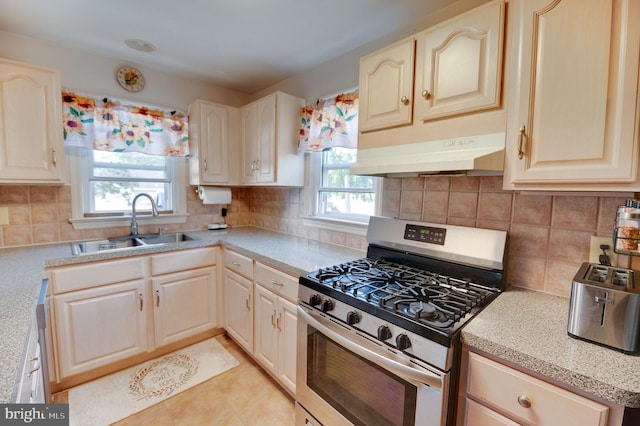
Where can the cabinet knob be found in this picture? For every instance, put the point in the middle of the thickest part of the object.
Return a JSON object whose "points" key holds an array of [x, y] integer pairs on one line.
{"points": [[426, 94], [404, 100], [524, 401]]}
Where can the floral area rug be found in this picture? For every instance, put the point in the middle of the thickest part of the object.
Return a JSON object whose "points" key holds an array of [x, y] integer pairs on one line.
{"points": [[119, 395]]}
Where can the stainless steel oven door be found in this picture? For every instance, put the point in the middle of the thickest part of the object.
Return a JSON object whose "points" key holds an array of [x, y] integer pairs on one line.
{"points": [[345, 377]]}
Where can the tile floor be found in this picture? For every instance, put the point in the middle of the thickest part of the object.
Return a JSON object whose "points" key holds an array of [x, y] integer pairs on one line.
{"points": [[244, 395]]}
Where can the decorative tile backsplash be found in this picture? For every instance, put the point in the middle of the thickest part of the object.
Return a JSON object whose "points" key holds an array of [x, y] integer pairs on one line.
{"points": [[549, 233]]}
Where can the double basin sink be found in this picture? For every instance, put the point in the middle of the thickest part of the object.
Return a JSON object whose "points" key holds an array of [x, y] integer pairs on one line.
{"points": [[128, 241]]}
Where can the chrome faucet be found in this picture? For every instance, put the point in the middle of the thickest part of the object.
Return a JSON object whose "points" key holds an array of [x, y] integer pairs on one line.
{"points": [[134, 222]]}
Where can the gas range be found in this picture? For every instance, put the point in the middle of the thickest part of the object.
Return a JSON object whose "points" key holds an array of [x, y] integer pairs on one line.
{"points": [[418, 286], [379, 337]]}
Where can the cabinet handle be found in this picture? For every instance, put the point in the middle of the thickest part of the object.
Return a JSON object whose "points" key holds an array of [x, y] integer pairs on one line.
{"points": [[278, 321], [273, 318], [157, 298], [55, 157], [205, 165], [246, 303], [426, 94], [141, 300], [524, 401], [276, 283], [33, 371], [520, 142], [235, 263], [404, 100]]}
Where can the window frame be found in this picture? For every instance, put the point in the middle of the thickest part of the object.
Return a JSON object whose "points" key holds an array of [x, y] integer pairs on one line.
{"points": [[313, 162], [81, 163]]}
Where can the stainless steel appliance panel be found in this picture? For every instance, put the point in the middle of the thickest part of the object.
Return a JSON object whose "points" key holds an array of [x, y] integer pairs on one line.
{"points": [[345, 378]]}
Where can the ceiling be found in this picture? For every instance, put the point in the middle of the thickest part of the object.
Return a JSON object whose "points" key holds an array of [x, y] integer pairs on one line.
{"points": [[245, 45]]}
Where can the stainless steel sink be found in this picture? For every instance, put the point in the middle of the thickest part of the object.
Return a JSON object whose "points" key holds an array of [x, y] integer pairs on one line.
{"points": [[127, 242], [175, 237]]}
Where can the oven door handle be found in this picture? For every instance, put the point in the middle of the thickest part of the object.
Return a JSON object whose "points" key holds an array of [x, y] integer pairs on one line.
{"points": [[402, 370]]}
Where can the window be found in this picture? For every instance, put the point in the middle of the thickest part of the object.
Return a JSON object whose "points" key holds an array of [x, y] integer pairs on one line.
{"points": [[335, 198], [104, 185], [340, 194], [117, 177]]}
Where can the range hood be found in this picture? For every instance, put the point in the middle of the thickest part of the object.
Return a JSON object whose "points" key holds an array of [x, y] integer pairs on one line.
{"points": [[481, 155]]}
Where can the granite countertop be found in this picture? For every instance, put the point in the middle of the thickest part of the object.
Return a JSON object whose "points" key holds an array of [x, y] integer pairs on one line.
{"points": [[521, 326], [529, 329], [22, 273]]}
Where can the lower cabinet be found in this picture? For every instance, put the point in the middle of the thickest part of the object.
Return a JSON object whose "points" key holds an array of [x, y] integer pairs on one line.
{"points": [[500, 395], [275, 343], [261, 315], [184, 304], [239, 304], [101, 325], [105, 312]]}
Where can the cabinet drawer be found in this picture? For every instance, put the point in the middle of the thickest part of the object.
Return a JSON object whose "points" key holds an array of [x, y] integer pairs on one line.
{"points": [[500, 386], [183, 260], [280, 283], [89, 275], [479, 415], [239, 264]]}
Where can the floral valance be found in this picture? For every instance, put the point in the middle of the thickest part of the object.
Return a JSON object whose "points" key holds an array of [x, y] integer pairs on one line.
{"points": [[107, 125], [330, 122]]}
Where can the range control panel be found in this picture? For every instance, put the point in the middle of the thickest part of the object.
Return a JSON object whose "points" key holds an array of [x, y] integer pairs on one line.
{"points": [[425, 234]]}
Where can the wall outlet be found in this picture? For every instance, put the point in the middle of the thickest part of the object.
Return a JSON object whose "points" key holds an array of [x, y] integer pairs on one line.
{"points": [[4, 215], [595, 251]]}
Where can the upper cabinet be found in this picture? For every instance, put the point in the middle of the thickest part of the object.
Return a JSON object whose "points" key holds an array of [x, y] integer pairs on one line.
{"points": [[437, 87], [215, 147], [269, 128], [458, 69], [459, 64], [386, 87], [31, 140], [573, 103]]}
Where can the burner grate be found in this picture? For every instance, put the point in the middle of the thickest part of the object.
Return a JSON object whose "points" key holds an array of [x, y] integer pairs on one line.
{"points": [[425, 296]]}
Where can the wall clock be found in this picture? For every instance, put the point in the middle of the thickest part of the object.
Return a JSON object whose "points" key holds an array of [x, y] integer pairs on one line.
{"points": [[130, 79]]}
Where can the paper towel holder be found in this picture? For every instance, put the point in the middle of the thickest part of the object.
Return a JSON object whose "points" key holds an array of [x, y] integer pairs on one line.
{"points": [[214, 195]]}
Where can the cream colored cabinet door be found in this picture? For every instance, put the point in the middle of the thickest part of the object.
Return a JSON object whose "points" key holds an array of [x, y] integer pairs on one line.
{"points": [[266, 332], [239, 305], [210, 151], [184, 304], [270, 128], [275, 336], [31, 140], [100, 326], [287, 323], [573, 97], [386, 87], [459, 64], [259, 133]]}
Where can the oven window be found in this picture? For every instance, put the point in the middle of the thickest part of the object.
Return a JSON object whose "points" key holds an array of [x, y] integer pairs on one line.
{"points": [[360, 390]]}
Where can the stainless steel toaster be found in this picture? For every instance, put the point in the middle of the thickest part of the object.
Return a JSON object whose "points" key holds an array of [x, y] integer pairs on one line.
{"points": [[605, 307]]}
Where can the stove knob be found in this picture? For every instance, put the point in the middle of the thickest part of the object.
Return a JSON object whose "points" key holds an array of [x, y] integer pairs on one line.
{"points": [[402, 341], [327, 305], [384, 333], [353, 318], [315, 300]]}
